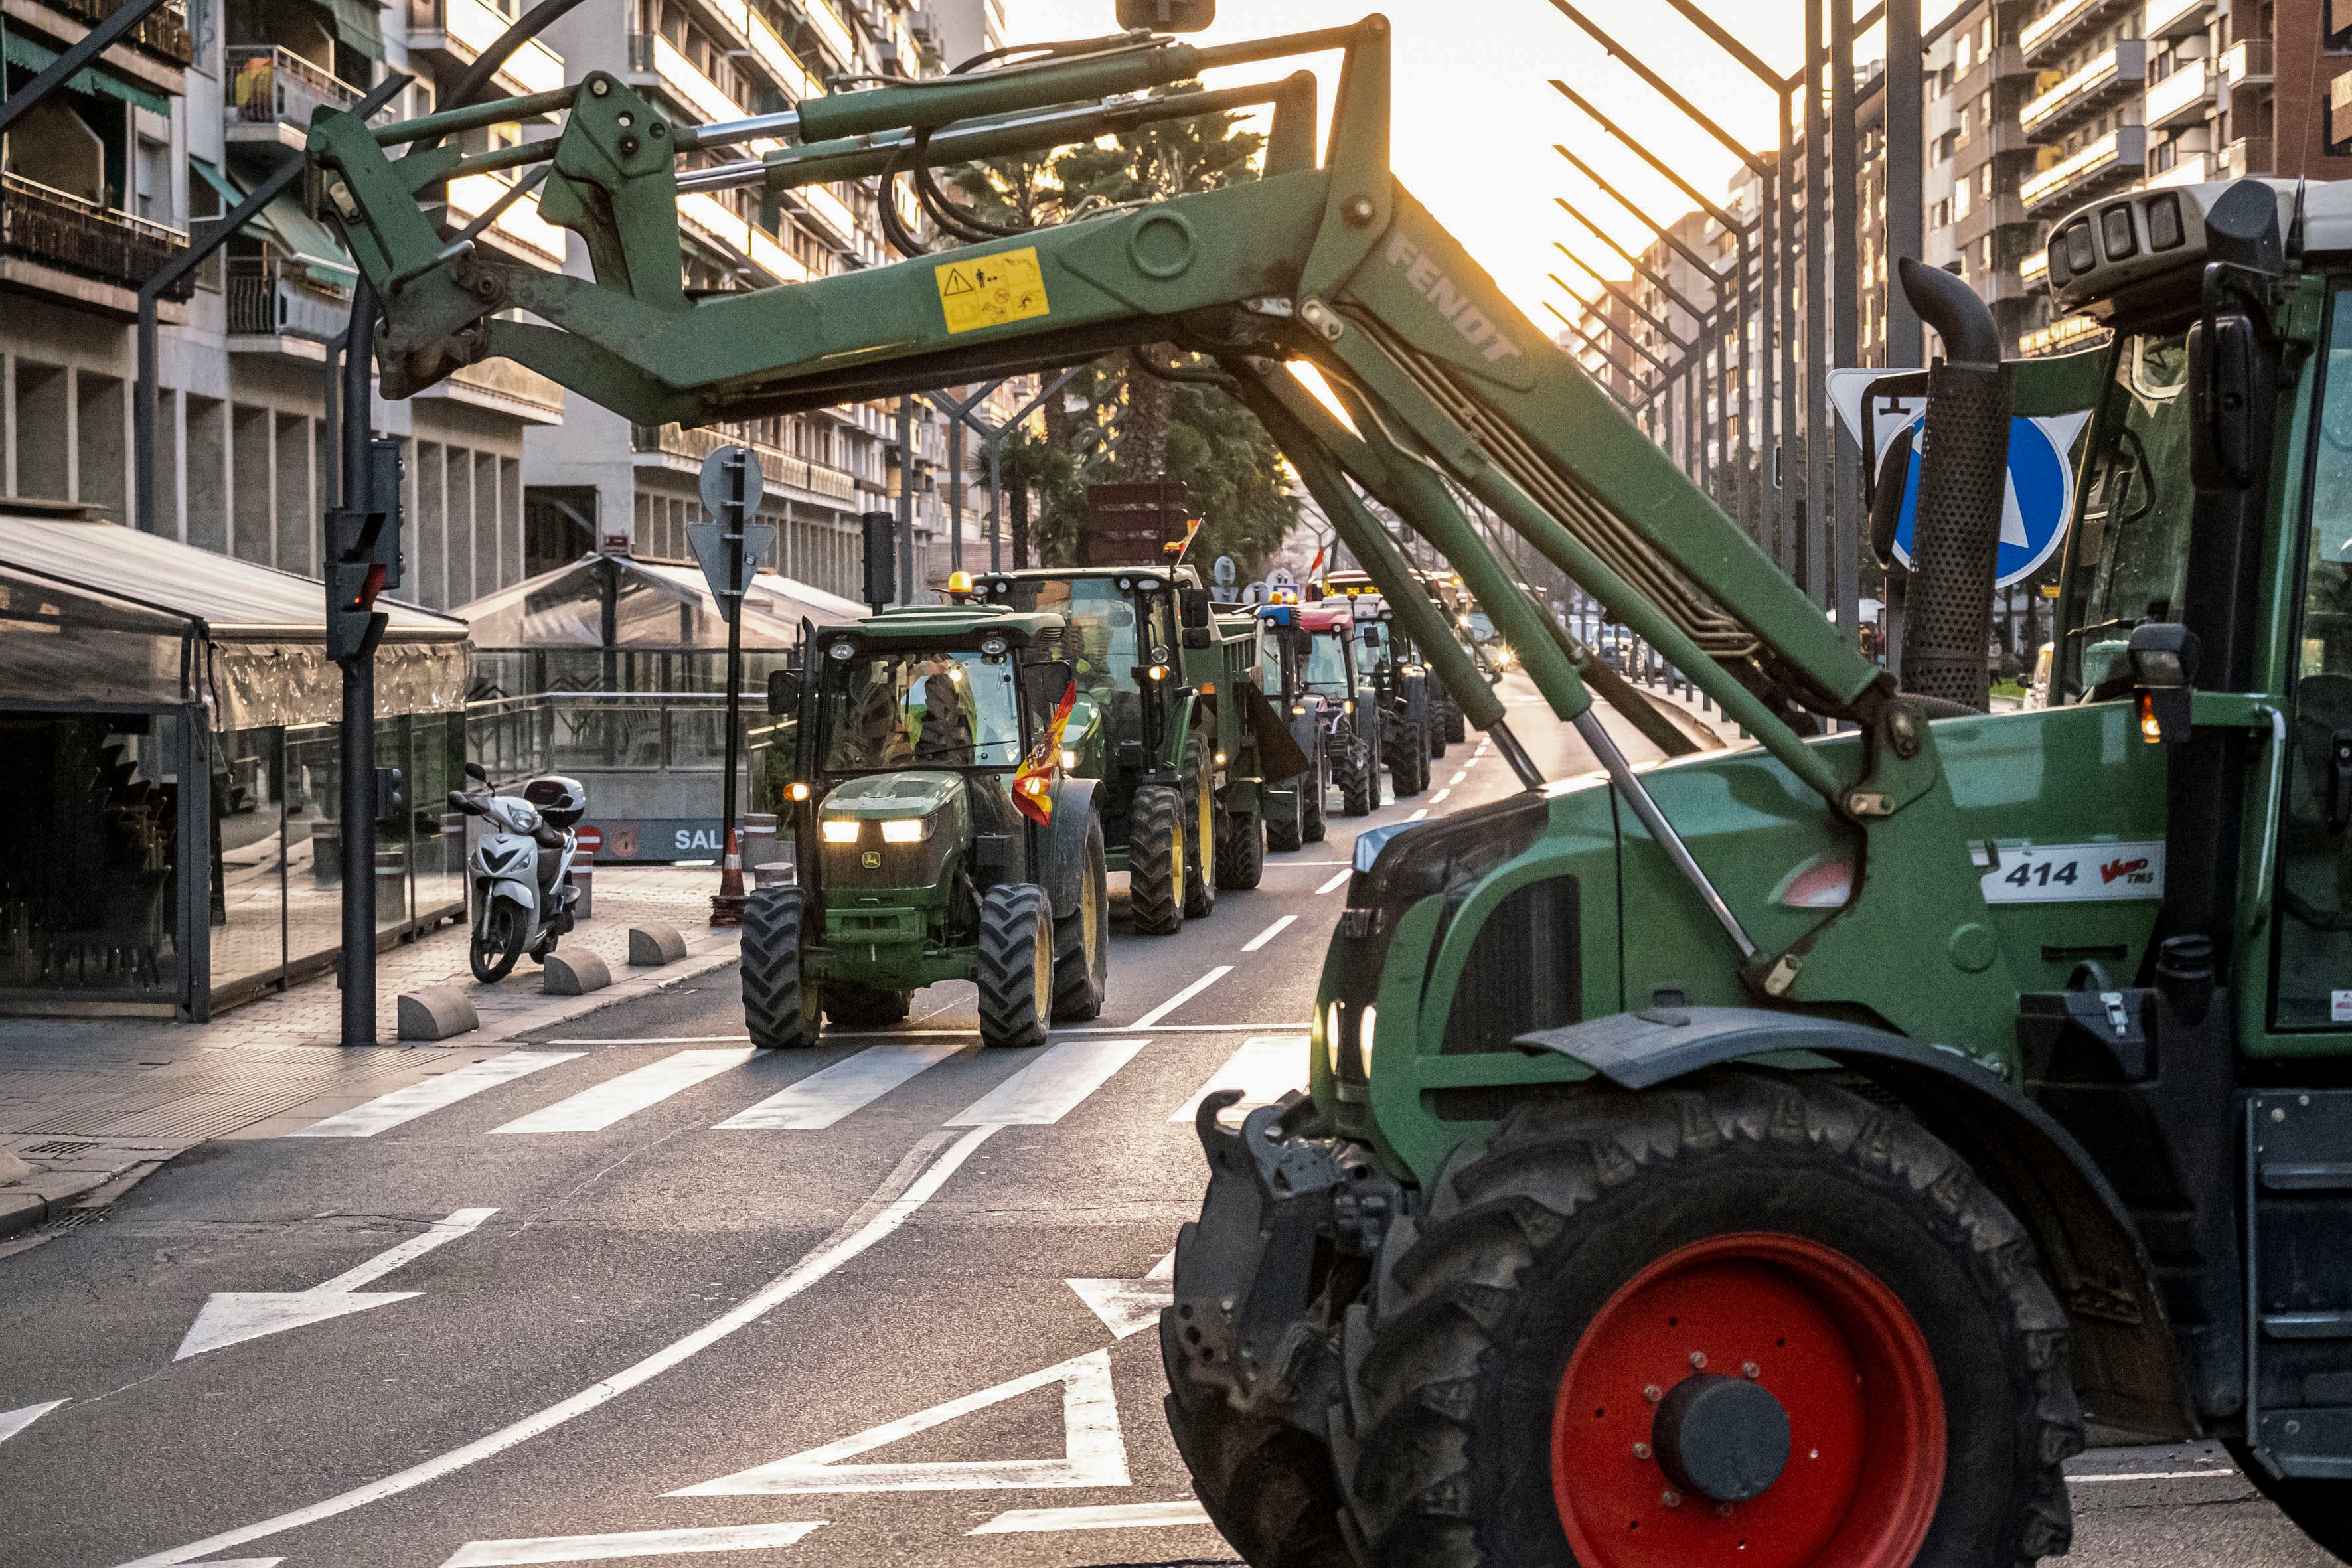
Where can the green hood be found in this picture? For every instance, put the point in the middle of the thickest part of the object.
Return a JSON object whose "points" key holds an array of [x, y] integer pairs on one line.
{"points": [[911, 794]]}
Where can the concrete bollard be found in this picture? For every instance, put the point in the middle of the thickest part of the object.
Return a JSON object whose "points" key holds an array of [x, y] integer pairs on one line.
{"points": [[573, 973], [655, 945], [437, 1013]]}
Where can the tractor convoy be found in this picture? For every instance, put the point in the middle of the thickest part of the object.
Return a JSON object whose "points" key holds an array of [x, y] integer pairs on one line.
{"points": [[1770, 1156]]}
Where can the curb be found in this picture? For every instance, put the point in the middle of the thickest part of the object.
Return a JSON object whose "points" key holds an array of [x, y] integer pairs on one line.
{"points": [[22, 1210]]}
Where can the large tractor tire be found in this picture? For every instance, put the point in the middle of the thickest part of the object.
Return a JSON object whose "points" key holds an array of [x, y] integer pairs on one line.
{"points": [[1287, 832], [780, 1011], [1201, 832], [1311, 827], [1742, 1319], [1359, 774], [1016, 965], [1082, 940], [1155, 860], [1241, 858], [1408, 762], [850, 1006], [1267, 1487], [2321, 1509], [1454, 730]]}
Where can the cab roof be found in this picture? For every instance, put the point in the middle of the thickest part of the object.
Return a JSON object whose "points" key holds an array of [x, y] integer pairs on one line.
{"points": [[946, 626], [1187, 575]]}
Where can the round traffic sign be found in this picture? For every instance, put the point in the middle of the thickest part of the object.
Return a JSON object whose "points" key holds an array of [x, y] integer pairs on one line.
{"points": [[590, 837], [2040, 498]]}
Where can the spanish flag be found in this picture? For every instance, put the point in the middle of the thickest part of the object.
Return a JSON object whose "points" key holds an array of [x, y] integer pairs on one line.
{"points": [[1033, 781]]}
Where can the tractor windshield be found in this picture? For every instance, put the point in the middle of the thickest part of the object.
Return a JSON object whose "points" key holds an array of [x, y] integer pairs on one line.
{"points": [[1098, 629], [1327, 664], [920, 708], [2131, 542]]}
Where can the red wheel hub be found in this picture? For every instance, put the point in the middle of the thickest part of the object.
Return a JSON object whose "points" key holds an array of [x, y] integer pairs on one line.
{"points": [[1833, 1346]]}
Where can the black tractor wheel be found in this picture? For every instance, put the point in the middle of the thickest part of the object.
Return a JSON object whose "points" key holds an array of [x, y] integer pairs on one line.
{"points": [[1241, 858], [1200, 833], [1082, 940], [2320, 1509], [781, 1013], [1407, 762], [850, 1006], [1155, 860], [1310, 800], [1454, 730], [1359, 774], [1267, 1487], [1285, 829], [1017, 964], [1742, 1318], [493, 950]]}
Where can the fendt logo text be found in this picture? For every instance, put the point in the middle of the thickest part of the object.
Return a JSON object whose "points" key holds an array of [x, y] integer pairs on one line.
{"points": [[1452, 301]]}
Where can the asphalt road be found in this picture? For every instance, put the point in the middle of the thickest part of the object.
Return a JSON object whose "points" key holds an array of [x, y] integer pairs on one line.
{"points": [[897, 1312]]}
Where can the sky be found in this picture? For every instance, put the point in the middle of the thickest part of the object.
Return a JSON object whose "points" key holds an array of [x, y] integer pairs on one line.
{"points": [[1477, 119]]}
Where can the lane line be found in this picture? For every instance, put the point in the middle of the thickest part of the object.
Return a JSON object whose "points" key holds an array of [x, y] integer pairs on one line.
{"points": [[599, 1107], [1099, 1516], [1053, 1085], [1417, 815], [1268, 934], [1439, 797], [851, 1084], [635, 1544], [1457, 778], [2164, 1475], [1267, 1067], [918, 1179], [389, 1111], [972, 1036], [1335, 881], [647, 1040], [1148, 1019]]}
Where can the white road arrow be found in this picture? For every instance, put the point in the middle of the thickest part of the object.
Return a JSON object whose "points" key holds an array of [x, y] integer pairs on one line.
{"points": [[232, 1316], [1130, 1306], [14, 1421]]}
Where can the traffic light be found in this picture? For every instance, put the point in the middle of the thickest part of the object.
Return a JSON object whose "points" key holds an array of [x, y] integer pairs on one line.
{"points": [[364, 558], [881, 558]]}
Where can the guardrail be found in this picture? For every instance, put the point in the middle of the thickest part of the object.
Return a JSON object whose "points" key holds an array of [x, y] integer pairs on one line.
{"points": [[163, 33]]}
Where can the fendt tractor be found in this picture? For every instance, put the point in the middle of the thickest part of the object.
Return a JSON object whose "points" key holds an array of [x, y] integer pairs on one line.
{"points": [[1163, 720], [1397, 684], [1770, 1156], [936, 834]]}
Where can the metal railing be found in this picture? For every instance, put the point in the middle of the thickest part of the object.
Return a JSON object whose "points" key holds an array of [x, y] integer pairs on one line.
{"points": [[258, 297], [165, 33], [274, 84], [605, 732], [776, 464], [86, 237]]}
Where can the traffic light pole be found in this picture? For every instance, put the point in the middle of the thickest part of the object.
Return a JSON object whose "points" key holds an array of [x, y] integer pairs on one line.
{"points": [[727, 908], [357, 959]]}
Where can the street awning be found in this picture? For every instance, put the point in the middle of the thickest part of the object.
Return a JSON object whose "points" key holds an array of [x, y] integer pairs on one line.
{"points": [[104, 616], [300, 238], [23, 51], [656, 607], [357, 26]]}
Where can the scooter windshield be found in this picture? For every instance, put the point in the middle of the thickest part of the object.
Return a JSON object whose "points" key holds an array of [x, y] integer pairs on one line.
{"points": [[921, 708]]}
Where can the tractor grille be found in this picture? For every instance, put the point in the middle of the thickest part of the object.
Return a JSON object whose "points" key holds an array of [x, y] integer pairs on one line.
{"points": [[1525, 971]]}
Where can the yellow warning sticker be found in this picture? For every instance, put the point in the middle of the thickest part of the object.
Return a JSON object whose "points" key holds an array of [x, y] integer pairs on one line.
{"points": [[991, 290]]}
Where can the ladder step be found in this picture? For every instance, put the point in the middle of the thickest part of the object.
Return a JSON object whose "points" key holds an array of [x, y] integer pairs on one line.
{"points": [[2306, 1176], [2314, 1444], [2308, 1325]]}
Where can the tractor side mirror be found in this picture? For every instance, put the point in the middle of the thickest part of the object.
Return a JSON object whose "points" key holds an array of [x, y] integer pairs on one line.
{"points": [[1167, 15], [2222, 426], [783, 693], [1193, 610], [1045, 682]]}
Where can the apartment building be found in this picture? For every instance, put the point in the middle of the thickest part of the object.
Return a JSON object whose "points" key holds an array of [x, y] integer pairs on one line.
{"points": [[503, 475]]}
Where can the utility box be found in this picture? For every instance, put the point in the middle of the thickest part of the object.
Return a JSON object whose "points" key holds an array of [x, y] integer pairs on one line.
{"points": [[1134, 524]]}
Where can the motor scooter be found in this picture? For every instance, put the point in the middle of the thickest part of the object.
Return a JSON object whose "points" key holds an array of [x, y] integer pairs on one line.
{"points": [[520, 869]]}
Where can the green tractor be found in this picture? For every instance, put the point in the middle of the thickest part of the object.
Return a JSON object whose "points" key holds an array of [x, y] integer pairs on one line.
{"points": [[1308, 668], [1774, 1154], [1163, 720], [936, 834], [1396, 684]]}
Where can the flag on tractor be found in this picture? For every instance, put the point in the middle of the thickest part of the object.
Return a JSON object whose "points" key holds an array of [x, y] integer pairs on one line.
{"points": [[1032, 782]]}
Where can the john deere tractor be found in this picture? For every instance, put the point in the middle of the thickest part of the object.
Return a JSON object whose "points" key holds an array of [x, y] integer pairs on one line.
{"points": [[1164, 722], [1771, 1155], [937, 834]]}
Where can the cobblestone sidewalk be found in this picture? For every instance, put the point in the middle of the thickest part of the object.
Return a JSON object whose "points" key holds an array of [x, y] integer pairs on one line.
{"points": [[89, 1106]]}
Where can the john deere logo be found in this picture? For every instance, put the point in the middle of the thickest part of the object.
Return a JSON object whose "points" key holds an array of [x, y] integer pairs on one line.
{"points": [[872, 859]]}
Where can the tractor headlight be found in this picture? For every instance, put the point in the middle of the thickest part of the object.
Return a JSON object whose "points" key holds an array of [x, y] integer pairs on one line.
{"points": [[841, 830], [1069, 758], [906, 829], [1364, 1038], [1331, 1037]]}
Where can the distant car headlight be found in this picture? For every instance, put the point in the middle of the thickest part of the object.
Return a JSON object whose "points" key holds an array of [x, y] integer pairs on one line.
{"points": [[841, 830], [906, 829]]}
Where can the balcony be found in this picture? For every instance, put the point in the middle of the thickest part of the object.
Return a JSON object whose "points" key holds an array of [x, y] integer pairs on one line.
{"points": [[682, 80], [2048, 35], [832, 31], [1990, 212], [157, 52], [2247, 64], [2117, 73], [274, 309], [273, 92], [2120, 154], [2184, 98], [61, 245], [2033, 272], [457, 31], [504, 387], [673, 446], [2193, 169], [827, 216], [710, 218], [2247, 155], [775, 57], [2174, 18], [520, 229]]}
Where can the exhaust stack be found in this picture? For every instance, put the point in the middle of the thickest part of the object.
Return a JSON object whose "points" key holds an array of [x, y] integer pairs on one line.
{"points": [[1963, 483]]}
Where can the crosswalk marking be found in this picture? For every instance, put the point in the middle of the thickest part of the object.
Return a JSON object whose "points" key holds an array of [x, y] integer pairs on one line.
{"points": [[388, 1111], [632, 1543], [1098, 1516], [1267, 1067], [823, 1098], [1051, 1086], [593, 1109]]}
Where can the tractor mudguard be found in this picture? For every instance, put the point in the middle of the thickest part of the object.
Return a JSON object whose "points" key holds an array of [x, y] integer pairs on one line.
{"points": [[1066, 843], [2125, 1364], [1280, 757], [1248, 1304]]}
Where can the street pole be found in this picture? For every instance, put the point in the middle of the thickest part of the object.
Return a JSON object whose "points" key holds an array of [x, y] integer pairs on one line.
{"points": [[1905, 108], [955, 495], [907, 500], [1817, 347], [727, 908], [1849, 221], [356, 960], [995, 505]]}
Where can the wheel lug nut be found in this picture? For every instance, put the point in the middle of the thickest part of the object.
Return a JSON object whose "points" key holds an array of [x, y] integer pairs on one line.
{"points": [[1698, 1359], [1653, 1394], [1671, 1498], [1749, 1369], [1723, 1511], [1640, 1450]]}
